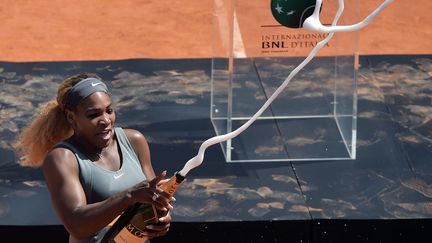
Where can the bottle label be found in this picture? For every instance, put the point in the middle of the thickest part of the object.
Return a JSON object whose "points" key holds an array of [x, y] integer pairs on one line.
{"points": [[130, 234], [143, 215]]}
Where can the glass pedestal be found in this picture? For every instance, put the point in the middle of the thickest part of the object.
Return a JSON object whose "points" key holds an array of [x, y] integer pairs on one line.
{"points": [[314, 118]]}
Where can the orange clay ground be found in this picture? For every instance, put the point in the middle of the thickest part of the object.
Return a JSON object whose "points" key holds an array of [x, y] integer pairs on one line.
{"points": [[54, 30]]}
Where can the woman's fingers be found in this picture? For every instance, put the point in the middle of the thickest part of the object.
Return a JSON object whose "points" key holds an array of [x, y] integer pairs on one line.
{"points": [[167, 197], [153, 234], [165, 219], [149, 192], [156, 230], [158, 227], [160, 202], [157, 179]]}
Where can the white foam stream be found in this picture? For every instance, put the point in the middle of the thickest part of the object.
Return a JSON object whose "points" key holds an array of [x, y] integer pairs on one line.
{"points": [[198, 159]]}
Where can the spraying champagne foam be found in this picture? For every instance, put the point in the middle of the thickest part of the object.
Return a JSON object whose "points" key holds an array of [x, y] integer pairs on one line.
{"points": [[314, 25]]}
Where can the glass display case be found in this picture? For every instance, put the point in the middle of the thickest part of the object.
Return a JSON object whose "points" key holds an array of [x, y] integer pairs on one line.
{"points": [[314, 118]]}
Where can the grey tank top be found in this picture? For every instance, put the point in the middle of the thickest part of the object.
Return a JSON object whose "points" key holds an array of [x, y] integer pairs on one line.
{"points": [[99, 183]]}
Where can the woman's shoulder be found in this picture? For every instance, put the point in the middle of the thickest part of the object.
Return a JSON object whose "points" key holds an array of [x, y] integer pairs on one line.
{"points": [[136, 138], [60, 156], [134, 135]]}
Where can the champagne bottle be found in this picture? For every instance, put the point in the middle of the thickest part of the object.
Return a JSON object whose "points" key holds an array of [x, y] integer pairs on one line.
{"points": [[130, 226]]}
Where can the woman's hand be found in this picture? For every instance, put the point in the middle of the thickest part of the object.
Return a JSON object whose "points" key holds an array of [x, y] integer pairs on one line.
{"points": [[148, 192], [159, 229]]}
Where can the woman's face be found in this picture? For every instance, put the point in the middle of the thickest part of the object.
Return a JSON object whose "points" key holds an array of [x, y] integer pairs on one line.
{"points": [[93, 120]]}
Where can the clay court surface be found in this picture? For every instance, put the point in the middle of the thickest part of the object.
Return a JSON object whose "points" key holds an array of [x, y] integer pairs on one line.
{"points": [[108, 30]]}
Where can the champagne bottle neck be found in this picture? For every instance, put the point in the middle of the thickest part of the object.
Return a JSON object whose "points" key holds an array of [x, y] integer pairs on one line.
{"points": [[172, 184]]}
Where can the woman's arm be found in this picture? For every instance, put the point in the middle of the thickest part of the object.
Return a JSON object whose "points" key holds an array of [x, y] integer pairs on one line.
{"points": [[82, 220], [141, 148]]}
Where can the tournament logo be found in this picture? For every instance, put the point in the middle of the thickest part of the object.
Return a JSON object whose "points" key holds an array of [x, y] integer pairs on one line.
{"points": [[292, 13]]}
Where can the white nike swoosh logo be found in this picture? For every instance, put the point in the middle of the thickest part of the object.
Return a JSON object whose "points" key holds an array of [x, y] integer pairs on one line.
{"points": [[118, 176], [94, 84]]}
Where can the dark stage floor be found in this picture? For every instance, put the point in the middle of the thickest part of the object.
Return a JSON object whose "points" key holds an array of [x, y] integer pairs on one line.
{"points": [[383, 195]]}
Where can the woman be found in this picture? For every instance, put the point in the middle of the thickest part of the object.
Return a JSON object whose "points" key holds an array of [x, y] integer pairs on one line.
{"points": [[93, 170]]}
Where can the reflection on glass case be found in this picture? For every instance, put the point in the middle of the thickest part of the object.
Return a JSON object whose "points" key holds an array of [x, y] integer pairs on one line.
{"points": [[314, 118]]}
